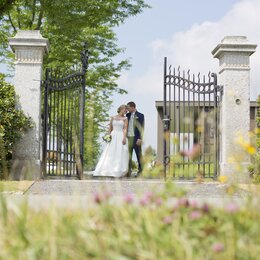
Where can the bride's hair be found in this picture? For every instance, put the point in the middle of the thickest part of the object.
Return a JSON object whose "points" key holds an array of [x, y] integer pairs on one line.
{"points": [[121, 108]]}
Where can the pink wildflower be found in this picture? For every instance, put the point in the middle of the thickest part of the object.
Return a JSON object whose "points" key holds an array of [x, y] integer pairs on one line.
{"points": [[193, 204], [183, 202], [101, 197], [193, 153], [158, 201], [195, 215], [149, 195], [232, 208], [205, 208], [218, 247], [98, 198], [129, 198], [144, 201], [167, 220]]}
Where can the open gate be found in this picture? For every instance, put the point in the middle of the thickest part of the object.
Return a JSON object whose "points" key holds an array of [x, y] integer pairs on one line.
{"points": [[63, 121], [191, 124]]}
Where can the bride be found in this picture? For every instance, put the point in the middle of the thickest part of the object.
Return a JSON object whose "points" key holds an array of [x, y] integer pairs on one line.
{"points": [[114, 158]]}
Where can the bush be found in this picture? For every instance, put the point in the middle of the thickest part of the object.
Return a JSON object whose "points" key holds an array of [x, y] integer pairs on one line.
{"points": [[13, 123], [258, 126], [254, 168]]}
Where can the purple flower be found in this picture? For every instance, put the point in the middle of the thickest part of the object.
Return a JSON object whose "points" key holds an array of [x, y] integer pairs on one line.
{"points": [[149, 195], [232, 208], [218, 247], [167, 220], [183, 202], [205, 208], [193, 204], [101, 197], [129, 198], [158, 201], [98, 198], [144, 201], [195, 215]]}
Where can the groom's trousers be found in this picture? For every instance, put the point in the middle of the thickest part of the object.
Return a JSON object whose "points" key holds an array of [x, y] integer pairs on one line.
{"points": [[138, 151]]}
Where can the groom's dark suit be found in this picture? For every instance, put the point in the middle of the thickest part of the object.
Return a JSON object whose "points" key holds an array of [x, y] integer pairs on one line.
{"points": [[138, 129]]}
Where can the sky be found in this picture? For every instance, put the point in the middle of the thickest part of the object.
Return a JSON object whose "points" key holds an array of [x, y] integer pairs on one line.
{"points": [[185, 32]]}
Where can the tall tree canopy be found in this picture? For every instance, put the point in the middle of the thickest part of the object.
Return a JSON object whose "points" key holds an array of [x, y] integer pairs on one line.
{"points": [[5, 5], [68, 23]]}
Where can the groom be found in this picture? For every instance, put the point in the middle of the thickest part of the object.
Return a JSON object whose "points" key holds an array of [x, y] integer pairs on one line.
{"points": [[135, 136]]}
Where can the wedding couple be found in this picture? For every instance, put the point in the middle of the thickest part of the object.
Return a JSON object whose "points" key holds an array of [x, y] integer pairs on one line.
{"points": [[126, 131]]}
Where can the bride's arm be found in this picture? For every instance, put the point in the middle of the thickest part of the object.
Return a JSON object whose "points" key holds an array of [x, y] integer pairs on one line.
{"points": [[110, 126], [125, 130]]}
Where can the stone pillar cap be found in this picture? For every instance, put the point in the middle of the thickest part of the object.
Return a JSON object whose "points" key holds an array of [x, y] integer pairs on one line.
{"points": [[234, 44], [29, 38]]}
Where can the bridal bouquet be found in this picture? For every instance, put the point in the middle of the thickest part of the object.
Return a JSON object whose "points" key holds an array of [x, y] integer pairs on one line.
{"points": [[107, 138]]}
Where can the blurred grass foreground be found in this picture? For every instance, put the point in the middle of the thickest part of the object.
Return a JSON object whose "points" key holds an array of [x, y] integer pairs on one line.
{"points": [[155, 225]]}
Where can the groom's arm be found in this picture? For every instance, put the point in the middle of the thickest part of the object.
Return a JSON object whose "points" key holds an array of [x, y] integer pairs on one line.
{"points": [[142, 127]]}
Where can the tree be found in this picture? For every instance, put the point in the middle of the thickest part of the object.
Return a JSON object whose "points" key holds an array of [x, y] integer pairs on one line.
{"points": [[5, 5], [67, 24], [13, 123]]}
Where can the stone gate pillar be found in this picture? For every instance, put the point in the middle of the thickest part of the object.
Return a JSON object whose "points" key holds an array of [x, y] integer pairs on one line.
{"points": [[234, 74], [29, 48]]}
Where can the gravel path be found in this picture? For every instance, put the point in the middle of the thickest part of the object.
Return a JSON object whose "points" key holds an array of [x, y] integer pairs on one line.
{"points": [[122, 187], [74, 194]]}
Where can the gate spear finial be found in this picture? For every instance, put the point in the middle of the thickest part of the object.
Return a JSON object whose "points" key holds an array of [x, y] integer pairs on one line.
{"points": [[84, 57]]}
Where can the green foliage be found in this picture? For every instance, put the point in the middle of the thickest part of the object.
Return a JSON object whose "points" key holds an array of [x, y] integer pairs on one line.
{"points": [[92, 126], [258, 126], [254, 168], [155, 225], [149, 151], [5, 5], [67, 24], [13, 123]]}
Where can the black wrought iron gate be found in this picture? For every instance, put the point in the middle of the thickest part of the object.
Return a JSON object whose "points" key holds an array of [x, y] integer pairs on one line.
{"points": [[191, 124], [63, 121]]}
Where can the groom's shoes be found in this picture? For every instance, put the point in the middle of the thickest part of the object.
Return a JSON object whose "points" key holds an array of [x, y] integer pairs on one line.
{"points": [[138, 174]]}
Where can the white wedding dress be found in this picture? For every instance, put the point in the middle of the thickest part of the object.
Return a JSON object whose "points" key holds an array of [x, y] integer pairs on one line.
{"points": [[114, 158]]}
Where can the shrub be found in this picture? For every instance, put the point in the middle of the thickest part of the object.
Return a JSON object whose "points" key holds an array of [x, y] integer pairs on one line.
{"points": [[13, 123], [254, 168], [258, 126]]}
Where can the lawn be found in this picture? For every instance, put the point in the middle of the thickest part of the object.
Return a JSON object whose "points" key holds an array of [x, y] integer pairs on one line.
{"points": [[15, 186]]}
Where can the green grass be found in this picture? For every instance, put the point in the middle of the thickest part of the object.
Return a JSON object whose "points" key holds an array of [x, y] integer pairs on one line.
{"points": [[14, 186], [180, 169], [192, 170], [186, 172]]}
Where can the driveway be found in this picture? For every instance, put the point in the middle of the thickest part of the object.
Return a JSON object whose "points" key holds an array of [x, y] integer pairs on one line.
{"points": [[73, 194]]}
